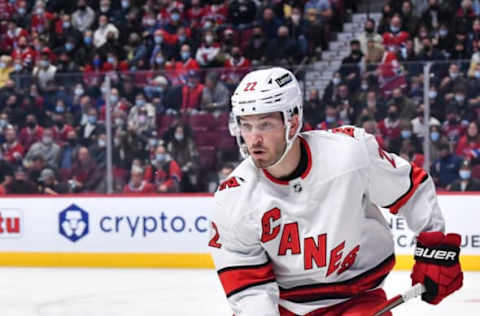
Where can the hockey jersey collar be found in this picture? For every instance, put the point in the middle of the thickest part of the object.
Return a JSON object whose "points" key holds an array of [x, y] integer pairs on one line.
{"points": [[304, 174]]}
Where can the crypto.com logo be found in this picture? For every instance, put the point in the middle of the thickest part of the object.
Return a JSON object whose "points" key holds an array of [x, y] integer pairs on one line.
{"points": [[73, 222]]}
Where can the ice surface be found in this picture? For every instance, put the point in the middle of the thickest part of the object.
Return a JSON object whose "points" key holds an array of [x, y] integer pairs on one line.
{"points": [[158, 292]]}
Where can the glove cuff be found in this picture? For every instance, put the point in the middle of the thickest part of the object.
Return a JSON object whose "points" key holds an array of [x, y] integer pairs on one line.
{"points": [[445, 255]]}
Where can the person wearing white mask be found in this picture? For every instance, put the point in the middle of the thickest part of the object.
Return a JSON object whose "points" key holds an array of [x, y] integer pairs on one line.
{"points": [[208, 51], [45, 147], [466, 182], [104, 28]]}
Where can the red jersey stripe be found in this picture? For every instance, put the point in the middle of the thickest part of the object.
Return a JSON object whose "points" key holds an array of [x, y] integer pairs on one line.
{"points": [[345, 289], [417, 176], [236, 279]]}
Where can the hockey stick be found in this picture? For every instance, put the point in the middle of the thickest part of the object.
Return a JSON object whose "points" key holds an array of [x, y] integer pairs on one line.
{"points": [[413, 292]]}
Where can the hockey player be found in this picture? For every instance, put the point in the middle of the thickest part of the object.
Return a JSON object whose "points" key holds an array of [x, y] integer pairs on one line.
{"points": [[297, 229]]}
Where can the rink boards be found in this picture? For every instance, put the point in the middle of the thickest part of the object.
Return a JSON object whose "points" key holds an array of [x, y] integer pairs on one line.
{"points": [[162, 231]]}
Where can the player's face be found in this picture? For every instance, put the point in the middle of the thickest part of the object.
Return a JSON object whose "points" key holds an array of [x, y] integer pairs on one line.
{"points": [[264, 135]]}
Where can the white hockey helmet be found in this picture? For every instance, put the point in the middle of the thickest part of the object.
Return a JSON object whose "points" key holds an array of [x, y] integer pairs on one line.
{"points": [[267, 91]]}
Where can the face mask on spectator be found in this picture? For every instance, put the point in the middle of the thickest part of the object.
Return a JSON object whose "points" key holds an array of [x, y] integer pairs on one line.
{"points": [[150, 22], [364, 86], [477, 74], [68, 46], [104, 8], [140, 102], [295, 18], [175, 17], [114, 98], [152, 142], [434, 136], [394, 29], [453, 75], [406, 134], [3, 123], [97, 62], [158, 39], [432, 94], [78, 91], [116, 141], [87, 40], [142, 118], [182, 38], [111, 59], [125, 4], [185, 55], [160, 157], [101, 143], [119, 121], [21, 11], [17, 67], [207, 25], [47, 140], [179, 136], [92, 119], [465, 174], [44, 63], [459, 98], [209, 39], [39, 11], [336, 80], [443, 32], [329, 119], [159, 89], [66, 25], [59, 109], [2, 65], [159, 60]]}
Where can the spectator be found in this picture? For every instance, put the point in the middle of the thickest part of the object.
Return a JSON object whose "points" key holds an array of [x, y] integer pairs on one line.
{"points": [[283, 49], [215, 95], [87, 131], [84, 17], [161, 44], [468, 147], [332, 119], [85, 176], [257, 47], [6, 68], [370, 126], [31, 133], [49, 183], [241, 13], [68, 153], [434, 14], [183, 150], [186, 65], [466, 182], [418, 123], [395, 38], [445, 169], [47, 148], [20, 183], [322, 8], [298, 30], [410, 21], [208, 52], [63, 32], [35, 168], [374, 54], [137, 184], [453, 127], [374, 106], [45, 73], [269, 23], [423, 33], [164, 172], [351, 67], [396, 144], [141, 118], [370, 35], [12, 149], [98, 151], [220, 176], [6, 171], [387, 14], [191, 93], [444, 40], [235, 68], [101, 33], [429, 52], [313, 110], [389, 127], [408, 107], [436, 138]]}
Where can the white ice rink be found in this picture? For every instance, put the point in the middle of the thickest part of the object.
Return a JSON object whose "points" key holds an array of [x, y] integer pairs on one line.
{"points": [[159, 292]]}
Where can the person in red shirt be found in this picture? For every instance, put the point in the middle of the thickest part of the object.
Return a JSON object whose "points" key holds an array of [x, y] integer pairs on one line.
{"points": [[395, 38], [164, 172], [235, 67], [195, 14], [468, 146], [23, 51], [137, 184], [31, 133], [13, 151], [390, 127], [41, 18], [181, 68], [191, 93]]}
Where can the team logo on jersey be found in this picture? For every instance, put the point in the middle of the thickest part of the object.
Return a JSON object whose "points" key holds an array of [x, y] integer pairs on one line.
{"points": [[231, 182], [297, 188], [73, 222]]}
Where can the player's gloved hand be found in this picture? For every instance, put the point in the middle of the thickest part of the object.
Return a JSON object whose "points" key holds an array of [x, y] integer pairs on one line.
{"points": [[437, 265]]}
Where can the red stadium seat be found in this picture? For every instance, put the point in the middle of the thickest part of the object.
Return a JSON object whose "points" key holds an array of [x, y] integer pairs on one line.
{"points": [[203, 137], [202, 120], [225, 141], [222, 121]]}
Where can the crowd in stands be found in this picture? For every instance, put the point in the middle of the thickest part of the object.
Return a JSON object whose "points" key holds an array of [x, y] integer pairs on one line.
{"points": [[380, 87], [172, 66]]}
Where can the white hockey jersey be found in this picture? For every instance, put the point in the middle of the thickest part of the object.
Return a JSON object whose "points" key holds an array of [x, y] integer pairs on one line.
{"points": [[319, 239]]}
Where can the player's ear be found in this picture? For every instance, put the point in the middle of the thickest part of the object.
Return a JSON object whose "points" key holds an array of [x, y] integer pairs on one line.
{"points": [[294, 125]]}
